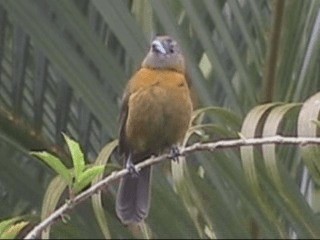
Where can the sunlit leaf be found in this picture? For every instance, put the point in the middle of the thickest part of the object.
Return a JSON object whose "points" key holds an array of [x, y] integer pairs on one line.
{"points": [[77, 157], [56, 164], [10, 229], [51, 200], [251, 128], [103, 158], [86, 177], [185, 188], [271, 128], [225, 115], [307, 128]]}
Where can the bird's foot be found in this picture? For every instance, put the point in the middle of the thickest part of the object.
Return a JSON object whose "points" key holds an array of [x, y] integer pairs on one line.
{"points": [[174, 153], [132, 169]]}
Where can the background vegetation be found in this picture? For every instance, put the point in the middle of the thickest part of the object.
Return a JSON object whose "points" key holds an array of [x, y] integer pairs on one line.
{"points": [[63, 68]]}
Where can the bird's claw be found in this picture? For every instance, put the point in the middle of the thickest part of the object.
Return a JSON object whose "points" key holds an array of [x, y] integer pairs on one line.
{"points": [[174, 153], [133, 171]]}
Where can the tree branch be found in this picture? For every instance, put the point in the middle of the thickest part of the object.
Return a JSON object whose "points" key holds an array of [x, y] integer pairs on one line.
{"points": [[212, 146]]}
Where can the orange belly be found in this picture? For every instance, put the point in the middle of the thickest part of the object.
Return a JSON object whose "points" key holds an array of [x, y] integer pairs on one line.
{"points": [[159, 116]]}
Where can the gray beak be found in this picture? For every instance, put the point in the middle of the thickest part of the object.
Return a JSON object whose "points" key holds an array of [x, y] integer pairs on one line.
{"points": [[157, 46]]}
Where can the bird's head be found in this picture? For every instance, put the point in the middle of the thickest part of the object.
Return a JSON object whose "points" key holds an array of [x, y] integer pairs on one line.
{"points": [[164, 53]]}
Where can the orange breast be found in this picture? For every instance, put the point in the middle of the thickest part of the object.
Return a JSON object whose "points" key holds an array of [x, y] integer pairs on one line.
{"points": [[159, 110]]}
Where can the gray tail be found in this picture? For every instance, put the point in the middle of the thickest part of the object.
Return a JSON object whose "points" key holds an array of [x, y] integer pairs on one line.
{"points": [[133, 197]]}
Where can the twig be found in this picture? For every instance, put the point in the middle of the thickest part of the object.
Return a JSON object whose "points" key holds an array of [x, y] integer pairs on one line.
{"points": [[212, 146]]}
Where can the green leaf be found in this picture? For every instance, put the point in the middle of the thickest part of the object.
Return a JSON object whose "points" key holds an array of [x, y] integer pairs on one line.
{"points": [[56, 164], [51, 199], [186, 189], [50, 39], [128, 32], [86, 177], [296, 209], [271, 128], [307, 128], [216, 129], [9, 229], [251, 128], [77, 157], [103, 158], [225, 116], [5, 224]]}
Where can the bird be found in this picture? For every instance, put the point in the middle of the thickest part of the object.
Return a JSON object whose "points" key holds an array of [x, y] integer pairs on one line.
{"points": [[155, 115]]}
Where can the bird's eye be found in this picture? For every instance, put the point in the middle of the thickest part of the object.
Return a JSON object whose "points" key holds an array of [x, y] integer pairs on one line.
{"points": [[171, 50], [169, 40]]}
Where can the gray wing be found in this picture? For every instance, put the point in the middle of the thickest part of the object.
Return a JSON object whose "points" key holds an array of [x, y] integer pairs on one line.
{"points": [[123, 145]]}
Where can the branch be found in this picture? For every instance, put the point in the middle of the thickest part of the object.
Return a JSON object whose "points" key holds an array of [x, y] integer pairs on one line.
{"points": [[212, 146]]}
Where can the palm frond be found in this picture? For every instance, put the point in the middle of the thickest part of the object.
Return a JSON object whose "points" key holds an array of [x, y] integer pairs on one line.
{"points": [[63, 66]]}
